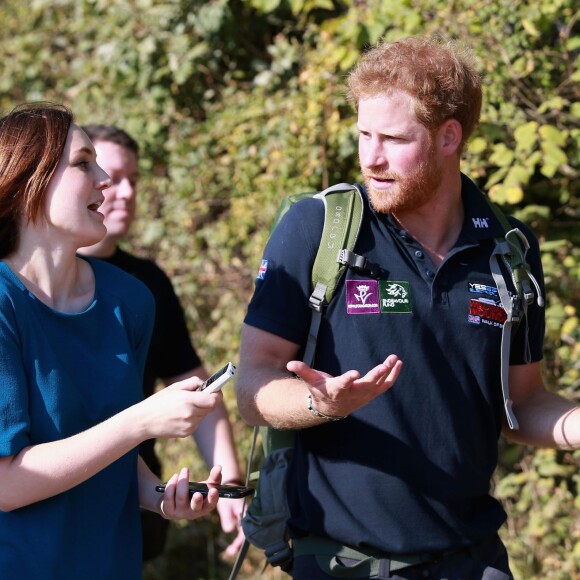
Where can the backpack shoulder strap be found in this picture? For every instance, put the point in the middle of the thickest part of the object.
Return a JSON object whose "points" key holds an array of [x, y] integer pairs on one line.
{"points": [[511, 249], [343, 213], [286, 203]]}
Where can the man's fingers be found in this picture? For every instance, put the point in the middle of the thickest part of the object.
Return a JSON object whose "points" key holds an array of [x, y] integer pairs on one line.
{"points": [[394, 372]]}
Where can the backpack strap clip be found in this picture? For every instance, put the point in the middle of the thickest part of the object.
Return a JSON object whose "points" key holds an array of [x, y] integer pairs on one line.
{"points": [[280, 554], [358, 263], [316, 303], [316, 300]]}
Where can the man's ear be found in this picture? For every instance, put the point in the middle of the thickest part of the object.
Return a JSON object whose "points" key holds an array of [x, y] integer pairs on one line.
{"points": [[450, 134]]}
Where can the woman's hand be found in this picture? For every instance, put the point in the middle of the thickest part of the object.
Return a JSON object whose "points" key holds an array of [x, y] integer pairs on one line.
{"points": [[176, 502], [177, 410]]}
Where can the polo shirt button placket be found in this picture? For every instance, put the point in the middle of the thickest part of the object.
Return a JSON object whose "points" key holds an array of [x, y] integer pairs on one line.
{"points": [[404, 236]]}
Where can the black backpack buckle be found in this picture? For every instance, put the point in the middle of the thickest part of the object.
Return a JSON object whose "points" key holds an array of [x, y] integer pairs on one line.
{"points": [[358, 263]]}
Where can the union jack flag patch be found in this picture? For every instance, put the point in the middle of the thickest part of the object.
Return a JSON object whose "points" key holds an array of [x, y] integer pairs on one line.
{"points": [[262, 271]]}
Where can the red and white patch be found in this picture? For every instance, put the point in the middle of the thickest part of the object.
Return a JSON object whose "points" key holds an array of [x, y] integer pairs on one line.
{"points": [[486, 311]]}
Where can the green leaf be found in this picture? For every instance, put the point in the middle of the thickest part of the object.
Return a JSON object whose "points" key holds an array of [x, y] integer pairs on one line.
{"points": [[501, 156], [554, 104], [530, 28], [297, 6], [496, 177], [477, 145], [506, 194], [516, 176], [526, 136], [573, 43], [324, 4], [266, 5], [553, 135], [554, 157]]}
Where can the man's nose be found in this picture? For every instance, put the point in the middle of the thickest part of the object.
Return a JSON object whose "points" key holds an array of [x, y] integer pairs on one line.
{"points": [[372, 154], [125, 189]]}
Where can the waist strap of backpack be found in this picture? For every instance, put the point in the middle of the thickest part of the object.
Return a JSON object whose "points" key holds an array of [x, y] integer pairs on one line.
{"points": [[368, 563]]}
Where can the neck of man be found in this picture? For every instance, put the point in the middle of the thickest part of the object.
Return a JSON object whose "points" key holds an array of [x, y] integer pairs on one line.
{"points": [[436, 225]]}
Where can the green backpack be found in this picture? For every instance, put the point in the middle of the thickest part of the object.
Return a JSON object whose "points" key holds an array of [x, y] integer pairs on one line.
{"points": [[264, 522]]}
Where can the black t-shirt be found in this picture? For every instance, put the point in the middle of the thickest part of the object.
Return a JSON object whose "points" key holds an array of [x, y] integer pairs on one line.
{"points": [[410, 472], [171, 351]]}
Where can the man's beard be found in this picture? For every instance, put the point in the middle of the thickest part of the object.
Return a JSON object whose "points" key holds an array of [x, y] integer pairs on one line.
{"points": [[410, 192]]}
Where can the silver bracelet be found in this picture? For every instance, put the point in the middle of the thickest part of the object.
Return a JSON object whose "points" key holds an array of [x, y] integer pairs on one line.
{"points": [[317, 413]]}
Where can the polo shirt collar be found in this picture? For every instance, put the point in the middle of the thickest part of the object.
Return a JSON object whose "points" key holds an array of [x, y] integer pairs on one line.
{"points": [[479, 221]]}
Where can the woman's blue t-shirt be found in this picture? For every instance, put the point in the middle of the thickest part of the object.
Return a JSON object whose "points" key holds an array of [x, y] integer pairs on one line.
{"points": [[62, 374]]}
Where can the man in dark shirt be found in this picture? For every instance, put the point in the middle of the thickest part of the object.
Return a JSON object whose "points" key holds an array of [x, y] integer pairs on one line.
{"points": [[392, 463], [172, 356]]}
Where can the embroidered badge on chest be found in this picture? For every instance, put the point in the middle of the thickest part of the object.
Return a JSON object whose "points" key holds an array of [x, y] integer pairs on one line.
{"points": [[395, 297], [362, 297], [486, 311], [475, 288]]}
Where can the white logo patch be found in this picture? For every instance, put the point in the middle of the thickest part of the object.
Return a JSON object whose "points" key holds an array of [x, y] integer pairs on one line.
{"points": [[480, 222]]}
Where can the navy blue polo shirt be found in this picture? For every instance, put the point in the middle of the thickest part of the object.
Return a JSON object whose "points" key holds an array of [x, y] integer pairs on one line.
{"points": [[409, 472]]}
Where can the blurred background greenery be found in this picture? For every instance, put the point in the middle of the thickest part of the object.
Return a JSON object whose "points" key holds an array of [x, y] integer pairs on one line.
{"points": [[237, 103]]}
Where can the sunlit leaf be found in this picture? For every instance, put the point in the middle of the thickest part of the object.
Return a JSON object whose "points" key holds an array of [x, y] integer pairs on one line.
{"points": [[526, 136], [553, 135], [530, 28], [516, 176], [477, 145], [502, 156], [514, 194]]}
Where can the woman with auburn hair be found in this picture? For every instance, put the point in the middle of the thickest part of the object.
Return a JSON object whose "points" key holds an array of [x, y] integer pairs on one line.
{"points": [[74, 334]]}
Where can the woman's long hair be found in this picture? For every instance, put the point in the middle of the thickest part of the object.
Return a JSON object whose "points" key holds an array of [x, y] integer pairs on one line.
{"points": [[32, 141]]}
